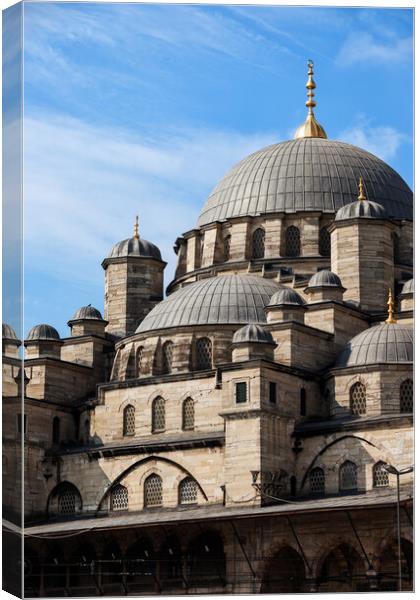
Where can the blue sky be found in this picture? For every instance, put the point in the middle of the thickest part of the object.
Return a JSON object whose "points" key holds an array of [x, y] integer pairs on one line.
{"points": [[142, 108]]}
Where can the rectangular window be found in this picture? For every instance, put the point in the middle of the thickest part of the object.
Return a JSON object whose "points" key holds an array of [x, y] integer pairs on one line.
{"points": [[19, 423], [241, 392], [273, 392]]}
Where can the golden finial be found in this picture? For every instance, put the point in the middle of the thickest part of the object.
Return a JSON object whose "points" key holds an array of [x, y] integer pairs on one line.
{"points": [[361, 190], [136, 228], [311, 127], [390, 303]]}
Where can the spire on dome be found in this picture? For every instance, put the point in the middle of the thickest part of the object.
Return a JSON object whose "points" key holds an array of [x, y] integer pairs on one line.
{"points": [[310, 128], [390, 303], [136, 228], [361, 190]]}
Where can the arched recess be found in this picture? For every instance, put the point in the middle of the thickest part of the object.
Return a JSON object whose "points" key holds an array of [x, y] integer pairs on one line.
{"points": [[343, 570], [170, 563], [64, 500], [143, 462], [284, 573], [82, 571], [32, 571], [54, 569], [140, 565], [388, 566], [206, 561], [112, 567]]}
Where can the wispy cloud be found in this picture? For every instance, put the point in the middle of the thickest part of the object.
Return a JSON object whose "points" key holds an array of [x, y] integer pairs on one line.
{"points": [[383, 141], [364, 48]]}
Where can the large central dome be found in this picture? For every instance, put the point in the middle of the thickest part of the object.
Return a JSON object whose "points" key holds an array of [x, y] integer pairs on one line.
{"points": [[307, 174]]}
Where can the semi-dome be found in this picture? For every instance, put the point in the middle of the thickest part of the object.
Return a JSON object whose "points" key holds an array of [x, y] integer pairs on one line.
{"points": [[408, 287], [325, 278], [226, 299], [88, 313], [286, 296], [253, 333], [8, 332], [43, 332], [388, 343], [306, 174]]}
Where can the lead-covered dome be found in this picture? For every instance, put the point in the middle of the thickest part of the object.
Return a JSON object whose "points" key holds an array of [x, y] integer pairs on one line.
{"points": [[87, 313], [286, 296], [388, 343], [8, 333], [43, 332], [365, 209], [254, 334], [325, 278], [226, 299], [306, 174], [135, 247], [408, 287]]}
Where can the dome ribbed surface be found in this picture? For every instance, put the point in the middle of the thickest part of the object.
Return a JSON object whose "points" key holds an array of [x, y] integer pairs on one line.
{"points": [[408, 287], [43, 332], [135, 247], [286, 296], [253, 334], [217, 300], [361, 208], [87, 312], [325, 278], [306, 174], [385, 343], [8, 332]]}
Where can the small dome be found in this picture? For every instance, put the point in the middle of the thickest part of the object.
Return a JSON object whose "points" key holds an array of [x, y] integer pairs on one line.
{"points": [[325, 278], [8, 332], [43, 332], [388, 343], [87, 312], [253, 333], [135, 247], [286, 296], [408, 287], [224, 299], [361, 208]]}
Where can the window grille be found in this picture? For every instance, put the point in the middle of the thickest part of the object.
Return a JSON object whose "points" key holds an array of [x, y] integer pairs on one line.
{"points": [[380, 475], [324, 242], [273, 392], [204, 354], [153, 491], [119, 498], [302, 402], [226, 248], [406, 396], [241, 392], [167, 353], [56, 430], [348, 476], [67, 502], [358, 399], [139, 358], [292, 241], [129, 420], [188, 491], [188, 414], [258, 243], [317, 481], [158, 415]]}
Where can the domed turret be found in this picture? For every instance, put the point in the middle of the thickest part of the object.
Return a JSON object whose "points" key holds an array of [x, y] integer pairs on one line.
{"points": [[133, 283], [286, 296], [252, 341], [286, 305], [43, 341], [325, 285], [8, 333], [87, 320], [10, 341], [361, 208]]}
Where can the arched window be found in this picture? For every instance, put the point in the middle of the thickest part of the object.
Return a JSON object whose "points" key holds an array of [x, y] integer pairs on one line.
{"points": [[119, 498], [188, 414], [380, 475], [406, 396], [324, 242], [204, 354], [56, 430], [348, 476], [358, 399], [139, 358], [258, 243], [317, 481], [68, 499], [153, 491], [187, 493], [292, 241], [129, 420], [226, 248], [167, 353], [158, 415]]}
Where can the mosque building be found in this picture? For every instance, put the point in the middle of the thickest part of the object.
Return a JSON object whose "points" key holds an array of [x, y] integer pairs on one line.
{"points": [[250, 432]]}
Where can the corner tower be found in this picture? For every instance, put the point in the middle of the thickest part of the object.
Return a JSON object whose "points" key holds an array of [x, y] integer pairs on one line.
{"points": [[133, 283]]}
